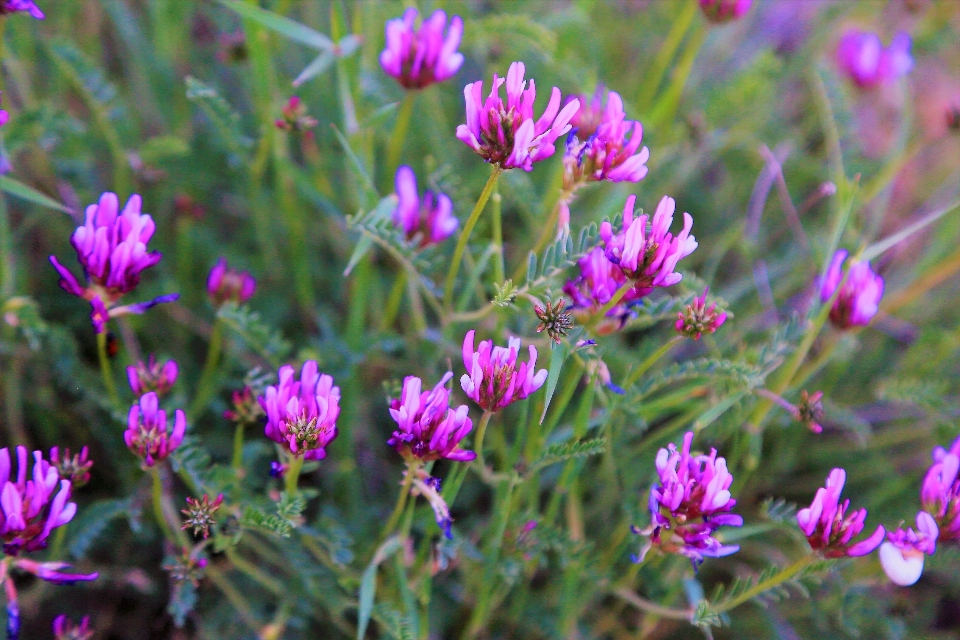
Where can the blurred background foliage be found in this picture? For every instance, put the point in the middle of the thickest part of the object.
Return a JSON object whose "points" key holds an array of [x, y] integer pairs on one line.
{"points": [[176, 100]]}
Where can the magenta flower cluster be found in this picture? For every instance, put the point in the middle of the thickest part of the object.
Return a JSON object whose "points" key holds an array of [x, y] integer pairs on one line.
{"points": [[429, 220], [691, 501], [302, 414], [148, 376], [603, 144], [507, 134], [859, 297], [428, 429], [111, 247], [903, 553], [649, 257], [864, 59], [226, 284], [830, 528], [147, 435], [698, 318], [34, 507], [494, 379], [940, 492], [65, 629], [419, 58]]}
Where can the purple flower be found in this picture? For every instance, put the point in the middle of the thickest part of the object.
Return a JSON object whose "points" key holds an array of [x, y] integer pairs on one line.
{"points": [[294, 117], [429, 488], [31, 508], [859, 296], [75, 468], [12, 6], [418, 59], [724, 10], [152, 376], [902, 556], [494, 379], [698, 319], [4, 116], [862, 57], [302, 415], [430, 220], [112, 249], [940, 493], [691, 501], [146, 433], [828, 527], [429, 428], [65, 629], [649, 256], [507, 135], [606, 153], [227, 284]]}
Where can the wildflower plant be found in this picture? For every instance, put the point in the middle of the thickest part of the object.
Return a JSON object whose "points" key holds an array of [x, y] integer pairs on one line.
{"points": [[431, 396]]}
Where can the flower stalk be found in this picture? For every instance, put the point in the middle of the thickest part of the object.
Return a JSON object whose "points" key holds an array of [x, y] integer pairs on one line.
{"points": [[465, 235], [105, 370]]}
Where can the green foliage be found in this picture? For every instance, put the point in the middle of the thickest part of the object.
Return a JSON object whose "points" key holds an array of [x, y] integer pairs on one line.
{"points": [[262, 338], [566, 450]]}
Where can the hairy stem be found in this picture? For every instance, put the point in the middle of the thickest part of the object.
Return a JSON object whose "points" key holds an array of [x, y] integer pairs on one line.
{"points": [[401, 499], [292, 475], [395, 150]]}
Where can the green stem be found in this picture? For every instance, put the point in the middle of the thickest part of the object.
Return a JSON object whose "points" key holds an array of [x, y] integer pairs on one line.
{"points": [[237, 460], [105, 370], [395, 150], [666, 106], [766, 585], [207, 385], [292, 475], [497, 224], [650, 361], [392, 307], [654, 76], [158, 506], [478, 440], [465, 235], [401, 500], [653, 608]]}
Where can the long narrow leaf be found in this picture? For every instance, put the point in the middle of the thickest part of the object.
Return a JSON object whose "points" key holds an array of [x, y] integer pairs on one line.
{"points": [[24, 192], [284, 26]]}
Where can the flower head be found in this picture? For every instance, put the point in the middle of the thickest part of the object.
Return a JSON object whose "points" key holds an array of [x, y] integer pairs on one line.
{"points": [[507, 134], [65, 629], [246, 409], [428, 428], [227, 284], [862, 57], [75, 468], [648, 256], [553, 319], [186, 567], [698, 319], [4, 116], [828, 527], [859, 297], [294, 117], [902, 555], [429, 488], [13, 6], [608, 150], [302, 415], [430, 220], [152, 376], [112, 249], [691, 501], [419, 58], [147, 434], [494, 379], [31, 508], [725, 10], [200, 514], [940, 493]]}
